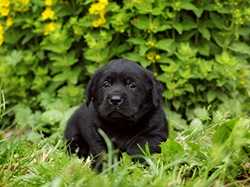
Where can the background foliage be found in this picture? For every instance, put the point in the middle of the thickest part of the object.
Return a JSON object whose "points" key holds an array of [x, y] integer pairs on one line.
{"points": [[198, 49]]}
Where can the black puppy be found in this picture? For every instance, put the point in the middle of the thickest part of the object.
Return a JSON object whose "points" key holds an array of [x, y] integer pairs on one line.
{"points": [[124, 101]]}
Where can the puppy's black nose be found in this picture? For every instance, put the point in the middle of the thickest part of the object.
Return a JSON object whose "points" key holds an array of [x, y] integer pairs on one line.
{"points": [[115, 100]]}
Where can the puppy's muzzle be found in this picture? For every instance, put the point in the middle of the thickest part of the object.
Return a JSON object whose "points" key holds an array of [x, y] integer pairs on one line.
{"points": [[115, 100]]}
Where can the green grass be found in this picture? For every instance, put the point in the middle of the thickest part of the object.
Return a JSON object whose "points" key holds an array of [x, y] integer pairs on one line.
{"points": [[216, 154]]}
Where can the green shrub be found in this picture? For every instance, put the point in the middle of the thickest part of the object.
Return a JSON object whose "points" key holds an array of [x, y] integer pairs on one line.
{"points": [[199, 50]]}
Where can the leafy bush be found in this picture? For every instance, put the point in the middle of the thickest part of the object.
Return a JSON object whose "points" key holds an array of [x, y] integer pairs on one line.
{"points": [[199, 50]]}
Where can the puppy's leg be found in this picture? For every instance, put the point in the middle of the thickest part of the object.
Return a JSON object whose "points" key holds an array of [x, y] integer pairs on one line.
{"points": [[155, 131], [153, 141], [75, 143], [95, 141]]}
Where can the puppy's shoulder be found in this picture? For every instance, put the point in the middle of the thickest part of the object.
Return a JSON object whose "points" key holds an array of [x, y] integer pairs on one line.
{"points": [[161, 121], [80, 118], [158, 117], [82, 114]]}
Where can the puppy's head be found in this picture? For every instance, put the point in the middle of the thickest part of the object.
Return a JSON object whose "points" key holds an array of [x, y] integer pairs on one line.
{"points": [[123, 90]]}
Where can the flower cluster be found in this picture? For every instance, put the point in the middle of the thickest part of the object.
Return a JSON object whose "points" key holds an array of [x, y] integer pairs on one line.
{"points": [[152, 56], [50, 27], [48, 15], [4, 7], [4, 12], [99, 9], [48, 2], [9, 21]]}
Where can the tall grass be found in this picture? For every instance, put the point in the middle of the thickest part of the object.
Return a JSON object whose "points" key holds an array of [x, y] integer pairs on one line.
{"points": [[213, 155], [2, 104]]}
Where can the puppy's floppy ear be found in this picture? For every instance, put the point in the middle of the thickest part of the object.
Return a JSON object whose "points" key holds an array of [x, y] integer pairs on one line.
{"points": [[157, 92], [156, 89], [92, 87]]}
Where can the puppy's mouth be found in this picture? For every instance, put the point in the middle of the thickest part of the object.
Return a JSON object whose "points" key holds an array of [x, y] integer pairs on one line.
{"points": [[117, 115]]}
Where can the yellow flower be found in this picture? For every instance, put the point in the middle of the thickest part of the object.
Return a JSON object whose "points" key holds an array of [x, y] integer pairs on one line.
{"points": [[1, 34], [151, 43], [157, 57], [50, 27], [104, 2], [4, 3], [4, 11], [9, 21], [4, 7], [153, 56], [99, 22], [48, 13], [48, 2], [99, 9], [24, 2]]}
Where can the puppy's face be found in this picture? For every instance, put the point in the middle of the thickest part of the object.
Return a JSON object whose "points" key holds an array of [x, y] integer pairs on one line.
{"points": [[122, 90]]}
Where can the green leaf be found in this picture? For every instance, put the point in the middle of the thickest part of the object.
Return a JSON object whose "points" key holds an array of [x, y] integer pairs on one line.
{"points": [[201, 113], [170, 69], [196, 123], [240, 47], [151, 24], [63, 60], [172, 149], [14, 35], [98, 40], [141, 22], [91, 68], [116, 50], [189, 6], [244, 31], [203, 48], [144, 7], [24, 116], [14, 57], [96, 55], [166, 45], [67, 75], [21, 114], [211, 95], [187, 25], [58, 42], [137, 41], [204, 32], [120, 21], [218, 8], [222, 39], [224, 131], [176, 121], [52, 116], [217, 20], [137, 58]]}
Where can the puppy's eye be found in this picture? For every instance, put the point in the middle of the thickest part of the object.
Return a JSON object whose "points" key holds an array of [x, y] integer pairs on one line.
{"points": [[130, 84], [107, 84]]}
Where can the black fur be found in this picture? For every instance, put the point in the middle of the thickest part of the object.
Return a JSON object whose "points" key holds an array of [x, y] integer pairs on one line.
{"points": [[124, 100]]}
